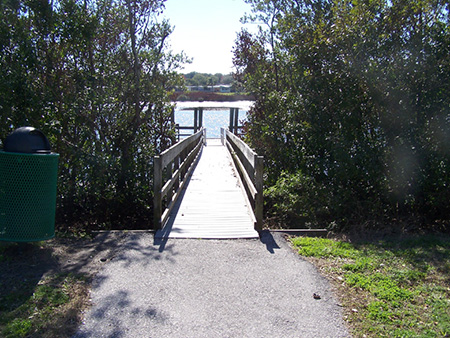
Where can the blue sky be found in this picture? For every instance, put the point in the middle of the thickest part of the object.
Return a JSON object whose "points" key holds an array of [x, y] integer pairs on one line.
{"points": [[206, 30]]}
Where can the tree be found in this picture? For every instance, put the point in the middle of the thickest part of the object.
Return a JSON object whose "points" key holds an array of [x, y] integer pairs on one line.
{"points": [[348, 98], [204, 79], [96, 77]]}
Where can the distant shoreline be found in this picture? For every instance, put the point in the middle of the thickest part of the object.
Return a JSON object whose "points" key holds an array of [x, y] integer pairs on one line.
{"points": [[209, 96]]}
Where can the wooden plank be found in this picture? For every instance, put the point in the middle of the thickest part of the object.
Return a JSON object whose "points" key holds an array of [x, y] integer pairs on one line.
{"points": [[303, 232], [212, 204]]}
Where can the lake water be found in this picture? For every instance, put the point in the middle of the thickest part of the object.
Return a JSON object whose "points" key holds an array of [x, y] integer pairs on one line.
{"points": [[214, 118]]}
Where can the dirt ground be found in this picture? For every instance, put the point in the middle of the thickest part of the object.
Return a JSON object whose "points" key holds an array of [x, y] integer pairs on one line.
{"points": [[25, 265]]}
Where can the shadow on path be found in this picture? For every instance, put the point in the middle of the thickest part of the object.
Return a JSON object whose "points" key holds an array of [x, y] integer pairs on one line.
{"points": [[266, 238]]}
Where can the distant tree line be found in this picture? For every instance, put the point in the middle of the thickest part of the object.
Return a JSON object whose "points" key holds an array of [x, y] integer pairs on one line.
{"points": [[204, 79], [94, 76], [352, 111]]}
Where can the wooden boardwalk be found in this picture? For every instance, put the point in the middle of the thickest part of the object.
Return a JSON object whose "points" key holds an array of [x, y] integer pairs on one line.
{"points": [[212, 204]]}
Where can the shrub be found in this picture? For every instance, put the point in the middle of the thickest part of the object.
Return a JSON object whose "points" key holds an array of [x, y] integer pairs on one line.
{"points": [[295, 199]]}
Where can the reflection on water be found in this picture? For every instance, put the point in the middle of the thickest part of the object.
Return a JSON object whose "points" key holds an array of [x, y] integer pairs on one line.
{"points": [[213, 120]]}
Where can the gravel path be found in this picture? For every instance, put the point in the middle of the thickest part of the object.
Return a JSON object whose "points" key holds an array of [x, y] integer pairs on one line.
{"points": [[210, 288]]}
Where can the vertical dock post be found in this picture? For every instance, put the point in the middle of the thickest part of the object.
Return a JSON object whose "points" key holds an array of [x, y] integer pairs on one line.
{"points": [[195, 120], [230, 128], [200, 118], [236, 120]]}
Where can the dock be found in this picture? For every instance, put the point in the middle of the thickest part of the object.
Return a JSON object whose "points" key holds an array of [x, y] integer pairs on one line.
{"points": [[212, 204]]}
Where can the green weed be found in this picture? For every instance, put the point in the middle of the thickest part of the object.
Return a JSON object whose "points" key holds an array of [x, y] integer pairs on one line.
{"points": [[360, 265], [17, 328], [379, 311], [29, 308], [322, 247], [400, 288]]}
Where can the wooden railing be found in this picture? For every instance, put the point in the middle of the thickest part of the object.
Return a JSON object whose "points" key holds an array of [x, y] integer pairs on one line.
{"points": [[171, 170], [198, 123], [250, 166]]}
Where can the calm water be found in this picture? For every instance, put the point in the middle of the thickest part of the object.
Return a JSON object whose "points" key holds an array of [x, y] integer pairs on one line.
{"points": [[213, 119]]}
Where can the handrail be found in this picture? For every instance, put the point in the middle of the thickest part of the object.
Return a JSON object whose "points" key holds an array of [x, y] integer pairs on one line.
{"points": [[176, 163], [179, 128], [250, 166]]}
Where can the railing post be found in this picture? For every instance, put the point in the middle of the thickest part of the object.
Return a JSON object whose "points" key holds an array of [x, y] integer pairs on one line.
{"points": [[259, 198], [157, 186]]}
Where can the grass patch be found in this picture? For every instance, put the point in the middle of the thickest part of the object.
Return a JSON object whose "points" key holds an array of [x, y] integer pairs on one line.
{"points": [[39, 310], [392, 288], [35, 301]]}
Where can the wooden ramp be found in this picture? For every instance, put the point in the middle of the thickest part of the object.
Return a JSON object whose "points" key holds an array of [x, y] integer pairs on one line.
{"points": [[213, 204]]}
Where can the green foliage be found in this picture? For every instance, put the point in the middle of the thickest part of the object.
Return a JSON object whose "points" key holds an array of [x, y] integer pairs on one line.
{"points": [[379, 311], [396, 288], [47, 294], [204, 79], [295, 199], [95, 77], [360, 265], [322, 247], [17, 328], [355, 96], [383, 287], [30, 308]]}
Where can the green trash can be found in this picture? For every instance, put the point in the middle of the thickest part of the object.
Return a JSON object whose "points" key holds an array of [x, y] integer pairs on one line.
{"points": [[28, 177]]}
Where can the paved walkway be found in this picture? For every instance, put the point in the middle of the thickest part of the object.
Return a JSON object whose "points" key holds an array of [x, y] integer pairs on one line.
{"points": [[210, 288]]}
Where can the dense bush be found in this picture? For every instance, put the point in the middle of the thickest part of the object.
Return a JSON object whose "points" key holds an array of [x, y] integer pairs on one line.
{"points": [[353, 96], [94, 76], [296, 198]]}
